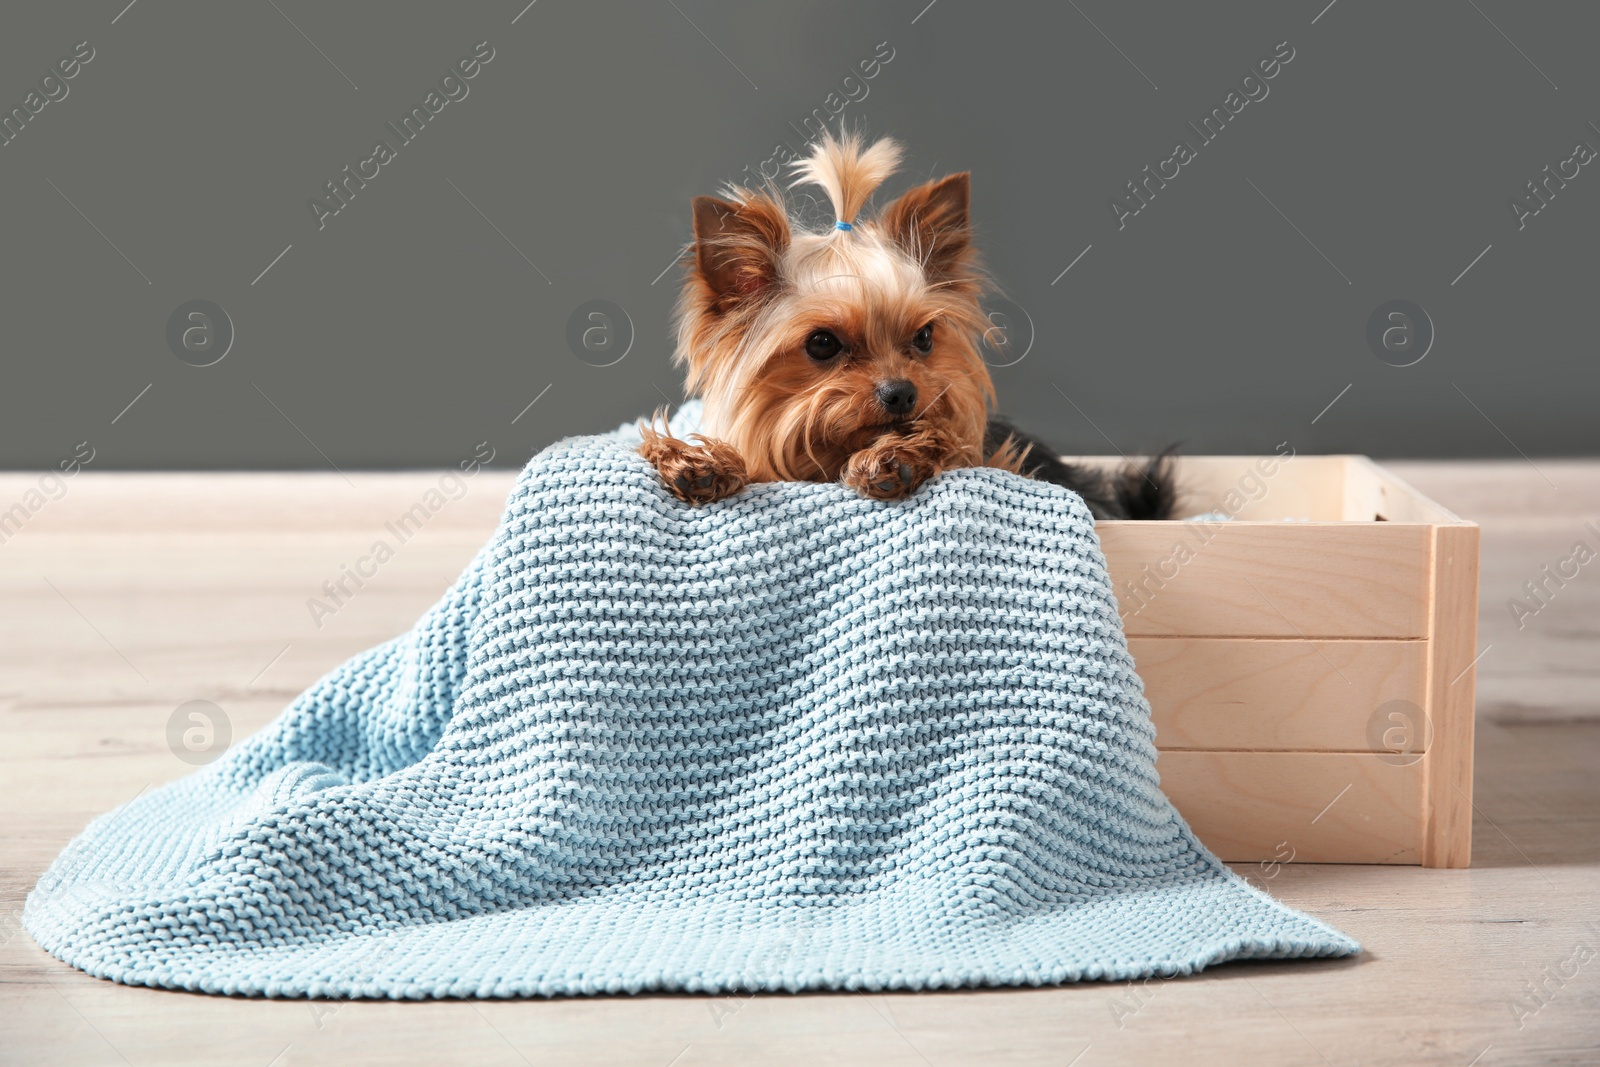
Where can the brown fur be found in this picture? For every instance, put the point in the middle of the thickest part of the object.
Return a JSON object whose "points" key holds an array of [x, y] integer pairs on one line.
{"points": [[697, 473], [758, 289]]}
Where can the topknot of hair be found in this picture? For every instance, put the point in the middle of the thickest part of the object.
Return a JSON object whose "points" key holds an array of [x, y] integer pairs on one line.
{"points": [[849, 170]]}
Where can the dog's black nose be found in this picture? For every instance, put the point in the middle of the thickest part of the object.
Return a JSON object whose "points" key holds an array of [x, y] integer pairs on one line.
{"points": [[897, 397]]}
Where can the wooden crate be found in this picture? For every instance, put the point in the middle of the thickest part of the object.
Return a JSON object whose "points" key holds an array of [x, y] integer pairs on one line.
{"points": [[1311, 681]]}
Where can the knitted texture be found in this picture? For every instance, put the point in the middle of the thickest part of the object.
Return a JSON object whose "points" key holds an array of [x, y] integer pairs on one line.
{"points": [[792, 740]]}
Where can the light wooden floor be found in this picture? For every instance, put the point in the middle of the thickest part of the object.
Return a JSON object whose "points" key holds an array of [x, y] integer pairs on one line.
{"points": [[135, 593]]}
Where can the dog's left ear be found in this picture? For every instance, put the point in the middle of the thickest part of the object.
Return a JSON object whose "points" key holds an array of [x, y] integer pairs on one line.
{"points": [[931, 223]]}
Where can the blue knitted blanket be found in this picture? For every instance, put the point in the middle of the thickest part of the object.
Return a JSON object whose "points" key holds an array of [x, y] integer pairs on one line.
{"points": [[793, 740]]}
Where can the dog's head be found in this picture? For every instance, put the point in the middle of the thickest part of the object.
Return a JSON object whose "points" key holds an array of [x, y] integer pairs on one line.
{"points": [[806, 346]]}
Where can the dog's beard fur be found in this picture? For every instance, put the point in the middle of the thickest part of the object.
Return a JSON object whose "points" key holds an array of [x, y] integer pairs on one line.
{"points": [[798, 420], [758, 289]]}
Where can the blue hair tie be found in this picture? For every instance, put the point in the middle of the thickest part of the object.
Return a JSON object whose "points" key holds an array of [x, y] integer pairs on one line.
{"points": [[842, 226]]}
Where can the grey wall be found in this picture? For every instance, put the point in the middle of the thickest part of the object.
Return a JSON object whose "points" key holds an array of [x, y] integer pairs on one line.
{"points": [[424, 317]]}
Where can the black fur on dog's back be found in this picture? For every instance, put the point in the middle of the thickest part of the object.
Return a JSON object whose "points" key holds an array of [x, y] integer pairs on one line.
{"points": [[1140, 490]]}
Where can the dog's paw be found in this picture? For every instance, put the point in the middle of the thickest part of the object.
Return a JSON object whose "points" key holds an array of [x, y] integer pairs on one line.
{"points": [[698, 473], [892, 469]]}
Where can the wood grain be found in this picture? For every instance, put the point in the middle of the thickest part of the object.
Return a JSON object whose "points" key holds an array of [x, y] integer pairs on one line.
{"points": [[1307, 807], [1447, 836], [1284, 695], [1251, 579]]}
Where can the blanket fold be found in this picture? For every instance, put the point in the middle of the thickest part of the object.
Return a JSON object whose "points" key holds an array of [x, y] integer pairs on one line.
{"points": [[793, 740]]}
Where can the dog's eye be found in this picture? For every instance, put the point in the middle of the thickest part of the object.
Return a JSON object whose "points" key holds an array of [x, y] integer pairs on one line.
{"points": [[923, 340], [822, 345]]}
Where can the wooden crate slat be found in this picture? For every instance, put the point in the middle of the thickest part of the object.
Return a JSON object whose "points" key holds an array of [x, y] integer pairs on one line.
{"points": [[1284, 695], [1303, 807], [1256, 579], [1451, 680]]}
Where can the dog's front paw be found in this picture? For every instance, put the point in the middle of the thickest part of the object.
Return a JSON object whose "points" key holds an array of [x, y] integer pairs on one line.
{"points": [[893, 467], [698, 473]]}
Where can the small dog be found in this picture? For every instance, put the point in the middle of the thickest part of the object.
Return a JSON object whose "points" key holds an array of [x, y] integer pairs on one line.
{"points": [[852, 354]]}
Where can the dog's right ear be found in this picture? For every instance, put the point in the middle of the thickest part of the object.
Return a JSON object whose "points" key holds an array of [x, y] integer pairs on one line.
{"points": [[738, 247], [931, 223]]}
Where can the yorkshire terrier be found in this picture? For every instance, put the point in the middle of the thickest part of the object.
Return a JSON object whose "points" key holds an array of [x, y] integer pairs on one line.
{"points": [[852, 354]]}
